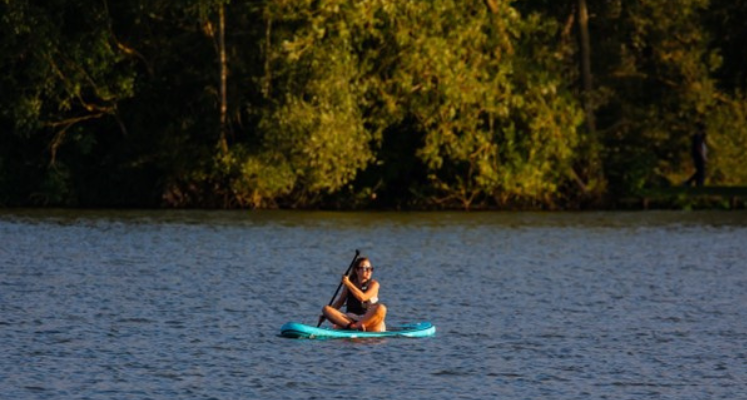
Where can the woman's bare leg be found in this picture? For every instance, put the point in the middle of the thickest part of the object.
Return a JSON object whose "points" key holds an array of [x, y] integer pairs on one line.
{"points": [[336, 316], [373, 320]]}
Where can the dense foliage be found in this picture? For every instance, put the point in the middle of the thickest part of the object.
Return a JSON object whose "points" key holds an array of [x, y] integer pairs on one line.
{"points": [[365, 104]]}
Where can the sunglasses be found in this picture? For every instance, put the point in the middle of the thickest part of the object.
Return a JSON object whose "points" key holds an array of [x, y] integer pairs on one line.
{"points": [[364, 268]]}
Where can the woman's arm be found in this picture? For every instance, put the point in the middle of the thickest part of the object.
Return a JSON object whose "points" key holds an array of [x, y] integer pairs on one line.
{"points": [[373, 289]]}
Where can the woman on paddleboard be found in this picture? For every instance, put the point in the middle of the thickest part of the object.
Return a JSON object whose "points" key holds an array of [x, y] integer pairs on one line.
{"points": [[360, 295]]}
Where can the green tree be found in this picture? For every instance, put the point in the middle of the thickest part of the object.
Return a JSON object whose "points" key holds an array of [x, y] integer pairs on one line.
{"points": [[61, 74], [656, 74], [196, 90], [312, 138], [653, 83], [727, 141], [479, 89]]}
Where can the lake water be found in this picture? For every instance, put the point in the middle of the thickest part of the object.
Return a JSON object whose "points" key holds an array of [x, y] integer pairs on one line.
{"points": [[189, 304]]}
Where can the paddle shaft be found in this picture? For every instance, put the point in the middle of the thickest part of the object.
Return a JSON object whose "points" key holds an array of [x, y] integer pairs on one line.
{"points": [[334, 296]]}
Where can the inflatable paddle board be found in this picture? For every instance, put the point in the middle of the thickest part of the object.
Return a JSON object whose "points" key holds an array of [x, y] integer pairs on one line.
{"points": [[298, 330]]}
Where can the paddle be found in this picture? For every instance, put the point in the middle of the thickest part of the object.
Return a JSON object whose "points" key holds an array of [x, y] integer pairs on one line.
{"points": [[347, 273]]}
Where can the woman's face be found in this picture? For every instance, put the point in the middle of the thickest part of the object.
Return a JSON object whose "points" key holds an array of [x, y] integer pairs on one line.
{"points": [[364, 271]]}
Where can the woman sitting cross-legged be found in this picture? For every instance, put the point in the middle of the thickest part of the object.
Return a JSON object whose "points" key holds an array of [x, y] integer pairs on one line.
{"points": [[360, 296]]}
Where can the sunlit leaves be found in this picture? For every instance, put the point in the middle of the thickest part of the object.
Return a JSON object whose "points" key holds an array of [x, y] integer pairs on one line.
{"points": [[352, 70], [727, 139], [495, 126]]}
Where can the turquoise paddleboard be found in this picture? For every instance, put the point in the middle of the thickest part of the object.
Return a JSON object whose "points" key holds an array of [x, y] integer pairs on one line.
{"points": [[299, 330]]}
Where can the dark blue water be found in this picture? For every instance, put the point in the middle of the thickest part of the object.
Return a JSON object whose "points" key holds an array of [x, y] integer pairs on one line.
{"points": [[188, 305]]}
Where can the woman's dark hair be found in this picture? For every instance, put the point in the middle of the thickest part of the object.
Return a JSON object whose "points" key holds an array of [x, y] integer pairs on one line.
{"points": [[361, 260]]}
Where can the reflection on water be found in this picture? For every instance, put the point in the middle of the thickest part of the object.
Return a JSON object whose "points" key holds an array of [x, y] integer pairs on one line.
{"points": [[188, 304]]}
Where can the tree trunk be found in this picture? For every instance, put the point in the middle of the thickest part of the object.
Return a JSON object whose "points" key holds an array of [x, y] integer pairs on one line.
{"points": [[583, 27], [266, 83], [591, 180], [223, 78]]}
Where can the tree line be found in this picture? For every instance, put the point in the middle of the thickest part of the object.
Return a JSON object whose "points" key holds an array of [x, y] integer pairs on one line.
{"points": [[489, 104]]}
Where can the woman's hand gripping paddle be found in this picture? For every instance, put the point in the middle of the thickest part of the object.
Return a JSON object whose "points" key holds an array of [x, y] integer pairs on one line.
{"points": [[347, 273]]}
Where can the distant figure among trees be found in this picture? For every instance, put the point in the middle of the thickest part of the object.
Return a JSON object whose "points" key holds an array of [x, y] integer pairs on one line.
{"points": [[699, 153]]}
